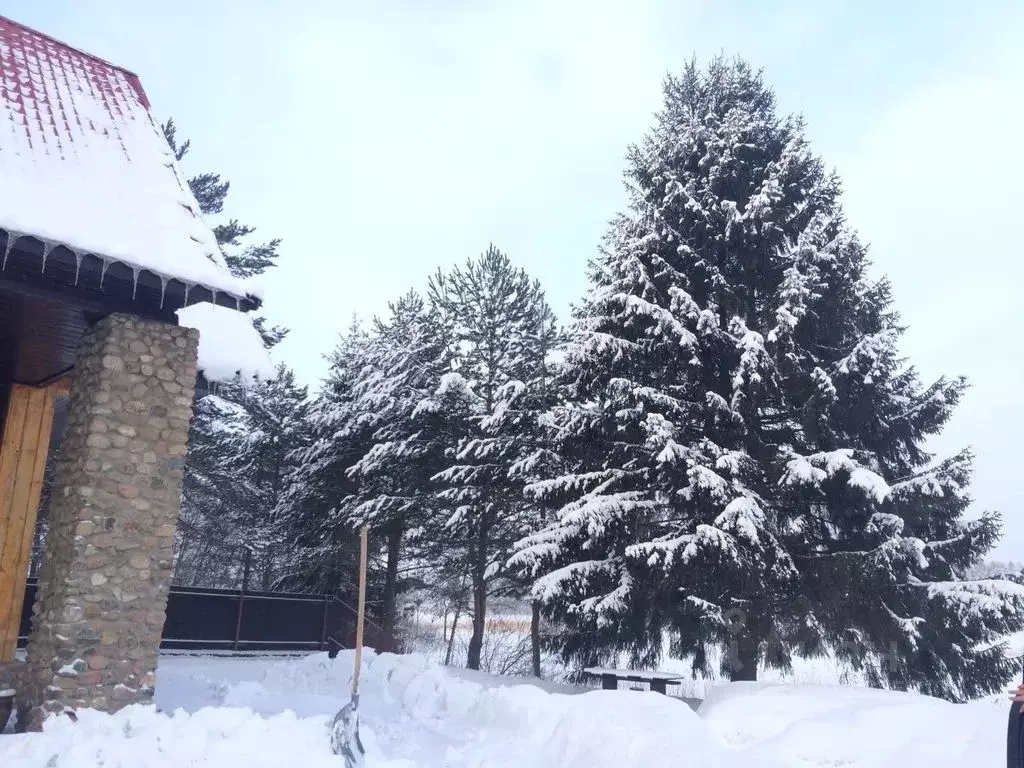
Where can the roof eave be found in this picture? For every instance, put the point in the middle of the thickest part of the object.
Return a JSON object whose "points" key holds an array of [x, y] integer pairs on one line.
{"points": [[67, 272]]}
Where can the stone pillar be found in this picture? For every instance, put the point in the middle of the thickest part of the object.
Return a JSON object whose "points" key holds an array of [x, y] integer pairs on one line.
{"points": [[103, 587]]}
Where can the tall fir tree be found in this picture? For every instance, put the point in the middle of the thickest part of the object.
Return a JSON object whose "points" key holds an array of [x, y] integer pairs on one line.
{"points": [[746, 445], [500, 329]]}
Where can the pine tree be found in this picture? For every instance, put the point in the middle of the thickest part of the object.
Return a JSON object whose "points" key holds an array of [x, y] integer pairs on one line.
{"points": [[244, 260], [746, 444], [499, 328]]}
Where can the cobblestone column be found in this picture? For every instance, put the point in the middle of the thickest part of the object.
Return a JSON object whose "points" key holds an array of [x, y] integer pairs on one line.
{"points": [[114, 508]]}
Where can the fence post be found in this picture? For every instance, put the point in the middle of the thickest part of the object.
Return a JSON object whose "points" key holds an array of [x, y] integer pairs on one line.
{"points": [[323, 623], [241, 598]]}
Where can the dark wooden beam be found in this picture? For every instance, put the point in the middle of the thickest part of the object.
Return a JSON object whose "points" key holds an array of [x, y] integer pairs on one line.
{"points": [[135, 291], [87, 301], [53, 379]]}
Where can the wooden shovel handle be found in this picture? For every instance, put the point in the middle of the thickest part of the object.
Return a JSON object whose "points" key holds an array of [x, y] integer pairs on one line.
{"points": [[361, 614]]}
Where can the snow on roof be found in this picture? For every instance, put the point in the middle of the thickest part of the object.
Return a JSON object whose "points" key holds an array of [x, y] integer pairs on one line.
{"points": [[229, 344], [83, 164]]}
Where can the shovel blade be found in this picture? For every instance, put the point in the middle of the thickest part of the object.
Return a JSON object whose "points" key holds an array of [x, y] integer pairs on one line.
{"points": [[345, 736]]}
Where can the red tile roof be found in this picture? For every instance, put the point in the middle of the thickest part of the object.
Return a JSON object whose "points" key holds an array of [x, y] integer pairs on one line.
{"points": [[84, 164]]}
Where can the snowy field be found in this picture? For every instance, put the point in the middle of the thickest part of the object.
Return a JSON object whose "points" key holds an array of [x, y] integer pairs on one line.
{"points": [[235, 712]]}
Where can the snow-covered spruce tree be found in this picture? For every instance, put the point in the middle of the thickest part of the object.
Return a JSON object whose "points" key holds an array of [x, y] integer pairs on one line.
{"points": [[209, 550], [522, 419], [747, 445], [407, 443], [240, 465], [435, 559], [275, 431], [312, 507], [500, 329]]}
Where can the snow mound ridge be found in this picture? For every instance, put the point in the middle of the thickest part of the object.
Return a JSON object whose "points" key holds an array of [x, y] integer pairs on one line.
{"points": [[229, 712], [414, 713], [140, 737], [503, 723]]}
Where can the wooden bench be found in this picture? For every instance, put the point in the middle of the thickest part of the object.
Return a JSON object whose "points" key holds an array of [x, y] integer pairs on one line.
{"points": [[658, 681]]}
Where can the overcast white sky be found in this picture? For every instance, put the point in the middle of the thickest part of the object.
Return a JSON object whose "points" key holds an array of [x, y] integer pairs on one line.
{"points": [[383, 140]]}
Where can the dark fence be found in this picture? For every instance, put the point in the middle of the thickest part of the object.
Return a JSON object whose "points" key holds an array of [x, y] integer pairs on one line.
{"points": [[237, 620]]}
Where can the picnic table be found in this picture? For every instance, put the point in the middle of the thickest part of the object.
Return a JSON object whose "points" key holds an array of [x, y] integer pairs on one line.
{"points": [[658, 681]]}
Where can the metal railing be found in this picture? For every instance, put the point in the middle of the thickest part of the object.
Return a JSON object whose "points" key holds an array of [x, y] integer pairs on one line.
{"points": [[200, 618]]}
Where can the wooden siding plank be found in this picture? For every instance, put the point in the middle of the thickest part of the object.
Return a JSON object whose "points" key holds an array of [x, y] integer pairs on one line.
{"points": [[14, 426], [23, 459], [36, 476]]}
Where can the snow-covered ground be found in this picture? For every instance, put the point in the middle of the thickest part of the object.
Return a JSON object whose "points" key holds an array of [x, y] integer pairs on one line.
{"points": [[235, 712], [506, 650]]}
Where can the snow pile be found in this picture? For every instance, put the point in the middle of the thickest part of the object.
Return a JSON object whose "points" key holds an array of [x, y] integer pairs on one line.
{"points": [[414, 714], [139, 737], [84, 165], [229, 344], [421, 712], [823, 725], [524, 725], [255, 713]]}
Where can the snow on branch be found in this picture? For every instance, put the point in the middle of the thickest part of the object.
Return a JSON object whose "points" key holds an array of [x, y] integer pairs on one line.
{"points": [[743, 517], [605, 608], [665, 321], [683, 549], [817, 467], [554, 585], [870, 356], [974, 601]]}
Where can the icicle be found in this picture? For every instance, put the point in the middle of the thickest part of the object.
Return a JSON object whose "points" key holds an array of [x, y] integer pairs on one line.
{"points": [[188, 287], [135, 281], [238, 304], [78, 265], [163, 290], [103, 272], [7, 252], [47, 247], [213, 297]]}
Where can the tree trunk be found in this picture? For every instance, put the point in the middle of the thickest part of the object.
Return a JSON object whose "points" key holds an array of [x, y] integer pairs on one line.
{"points": [[451, 640], [476, 642], [390, 598], [268, 570], [246, 569], [745, 655], [535, 638]]}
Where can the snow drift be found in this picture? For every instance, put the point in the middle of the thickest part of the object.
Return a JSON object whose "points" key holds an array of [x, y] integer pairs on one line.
{"points": [[258, 713]]}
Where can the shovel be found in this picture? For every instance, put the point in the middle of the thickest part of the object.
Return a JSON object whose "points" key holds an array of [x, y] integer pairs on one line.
{"points": [[345, 730]]}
